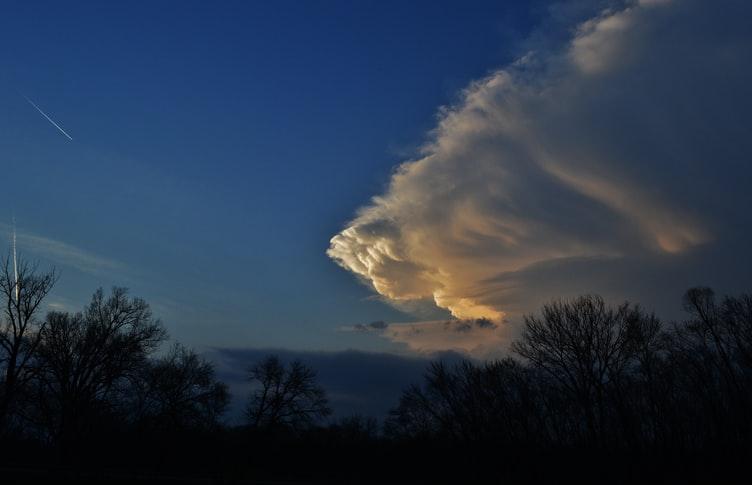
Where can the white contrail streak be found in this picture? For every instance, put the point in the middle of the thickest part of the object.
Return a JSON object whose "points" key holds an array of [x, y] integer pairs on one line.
{"points": [[15, 261], [48, 118]]}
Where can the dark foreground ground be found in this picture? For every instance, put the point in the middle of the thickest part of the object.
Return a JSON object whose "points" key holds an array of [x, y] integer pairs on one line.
{"points": [[238, 458]]}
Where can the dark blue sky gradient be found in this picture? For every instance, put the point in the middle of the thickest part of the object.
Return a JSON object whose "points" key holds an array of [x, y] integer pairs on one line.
{"points": [[218, 146]]}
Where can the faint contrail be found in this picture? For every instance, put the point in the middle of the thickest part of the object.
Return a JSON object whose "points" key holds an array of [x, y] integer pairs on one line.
{"points": [[48, 118], [15, 261]]}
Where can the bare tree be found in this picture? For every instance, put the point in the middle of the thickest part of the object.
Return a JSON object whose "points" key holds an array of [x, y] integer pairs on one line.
{"points": [[586, 348], [714, 350], [724, 330], [179, 391], [469, 402], [23, 287], [87, 358], [285, 396]]}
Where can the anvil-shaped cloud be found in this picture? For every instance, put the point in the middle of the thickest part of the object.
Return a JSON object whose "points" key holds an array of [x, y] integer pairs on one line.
{"points": [[626, 144]]}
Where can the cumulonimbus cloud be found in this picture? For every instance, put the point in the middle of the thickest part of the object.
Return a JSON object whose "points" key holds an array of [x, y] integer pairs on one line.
{"points": [[626, 144]]}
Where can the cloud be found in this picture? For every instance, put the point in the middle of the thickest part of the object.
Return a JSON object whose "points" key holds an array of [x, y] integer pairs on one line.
{"points": [[480, 338], [368, 327], [612, 163], [58, 252]]}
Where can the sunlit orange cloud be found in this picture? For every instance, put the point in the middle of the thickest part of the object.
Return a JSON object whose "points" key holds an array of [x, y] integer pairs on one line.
{"points": [[571, 154]]}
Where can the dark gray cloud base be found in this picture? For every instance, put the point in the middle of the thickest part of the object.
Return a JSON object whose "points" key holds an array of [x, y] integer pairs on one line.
{"points": [[356, 382]]}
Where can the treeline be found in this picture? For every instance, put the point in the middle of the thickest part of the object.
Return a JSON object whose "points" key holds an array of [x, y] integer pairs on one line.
{"points": [[609, 394], [590, 375], [594, 393], [70, 379]]}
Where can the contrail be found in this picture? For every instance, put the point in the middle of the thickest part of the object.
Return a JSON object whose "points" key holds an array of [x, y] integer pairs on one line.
{"points": [[48, 118], [15, 260]]}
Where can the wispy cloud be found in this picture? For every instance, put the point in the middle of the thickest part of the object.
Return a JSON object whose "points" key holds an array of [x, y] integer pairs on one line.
{"points": [[61, 253]]}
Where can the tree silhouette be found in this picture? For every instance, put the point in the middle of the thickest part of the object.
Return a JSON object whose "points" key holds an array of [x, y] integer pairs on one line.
{"points": [[356, 428], [713, 348], [87, 358], [23, 288], [469, 402], [286, 396], [587, 348], [179, 391], [594, 388]]}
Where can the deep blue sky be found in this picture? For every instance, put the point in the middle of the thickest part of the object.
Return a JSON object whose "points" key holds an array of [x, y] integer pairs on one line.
{"points": [[218, 146]]}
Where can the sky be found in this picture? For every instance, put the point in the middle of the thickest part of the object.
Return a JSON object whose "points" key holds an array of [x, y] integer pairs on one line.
{"points": [[401, 178], [216, 150]]}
